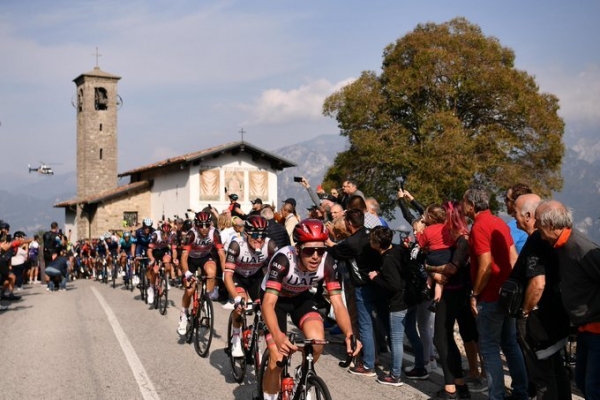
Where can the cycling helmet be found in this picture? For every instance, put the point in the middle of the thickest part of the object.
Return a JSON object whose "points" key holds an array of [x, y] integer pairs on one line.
{"points": [[127, 234], [147, 223], [101, 238], [165, 227], [310, 230], [187, 225], [233, 197], [255, 223], [202, 218], [107, 235]]}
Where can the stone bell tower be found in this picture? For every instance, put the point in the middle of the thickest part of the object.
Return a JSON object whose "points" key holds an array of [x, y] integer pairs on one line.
{"points": [[96, 105]]}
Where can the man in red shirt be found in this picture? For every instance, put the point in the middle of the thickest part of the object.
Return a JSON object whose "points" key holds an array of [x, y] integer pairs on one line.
{"points": [[493, 255]]}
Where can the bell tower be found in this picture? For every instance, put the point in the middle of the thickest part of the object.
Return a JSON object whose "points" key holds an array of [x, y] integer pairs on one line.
{"points": [[97, 102]]}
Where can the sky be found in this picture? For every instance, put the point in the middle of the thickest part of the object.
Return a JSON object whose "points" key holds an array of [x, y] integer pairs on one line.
{"points": [[194, 73]]}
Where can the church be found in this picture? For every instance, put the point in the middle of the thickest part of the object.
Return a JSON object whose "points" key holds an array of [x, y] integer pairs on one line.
{"points": [[161, 190]]}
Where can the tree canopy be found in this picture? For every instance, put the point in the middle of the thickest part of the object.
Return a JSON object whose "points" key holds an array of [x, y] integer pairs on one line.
{"points": [[448, 110]]}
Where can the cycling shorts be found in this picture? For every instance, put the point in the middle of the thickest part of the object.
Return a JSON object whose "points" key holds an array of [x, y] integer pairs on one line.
{"points": [[195, 264], [297, 307], [251, 284]]}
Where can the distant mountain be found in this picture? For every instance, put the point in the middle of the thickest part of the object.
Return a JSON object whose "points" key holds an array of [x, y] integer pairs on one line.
{"points": [[29, 206]]}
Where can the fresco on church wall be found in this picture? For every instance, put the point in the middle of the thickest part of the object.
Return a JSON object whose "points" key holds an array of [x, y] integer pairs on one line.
{"points": [[210, 185]]}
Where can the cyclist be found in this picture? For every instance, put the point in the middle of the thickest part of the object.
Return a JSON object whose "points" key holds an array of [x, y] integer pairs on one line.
{"points": [[201, 242], [292, 272], [125, 250], [101, 252], [177, 240], [142, 240], [159, 249], [112, 246], [243, 272]]}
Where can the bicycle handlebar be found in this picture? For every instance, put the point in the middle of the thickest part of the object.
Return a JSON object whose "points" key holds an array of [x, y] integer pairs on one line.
{"points": [[343, 364]]}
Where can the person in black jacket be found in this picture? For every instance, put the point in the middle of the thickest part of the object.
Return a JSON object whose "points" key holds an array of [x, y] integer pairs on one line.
{"points": [[390, 280], [360, 259], [275, 231]]}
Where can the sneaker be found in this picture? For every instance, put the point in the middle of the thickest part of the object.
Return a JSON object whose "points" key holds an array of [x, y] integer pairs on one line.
{"points": [[168, 285], [150, 295], [360, 369], [19, 289], [463, 392], [236, 346], [417, 373], [135, 280], [390, 380], [11, 297], [443, 395], [3, 308], [476, 385], [182, 327], [228, 306]]}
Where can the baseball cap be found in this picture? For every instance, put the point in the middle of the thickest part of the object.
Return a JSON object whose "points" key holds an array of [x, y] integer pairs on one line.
{"points": [[256, 201], [290, 201]]}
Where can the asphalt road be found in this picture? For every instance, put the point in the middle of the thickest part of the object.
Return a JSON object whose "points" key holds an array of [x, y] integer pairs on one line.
{"points": [[96, 342]]}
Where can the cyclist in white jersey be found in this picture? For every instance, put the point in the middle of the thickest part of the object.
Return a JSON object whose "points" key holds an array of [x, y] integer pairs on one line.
{"points": [[292, 272], [243, 274], [159, 249]]}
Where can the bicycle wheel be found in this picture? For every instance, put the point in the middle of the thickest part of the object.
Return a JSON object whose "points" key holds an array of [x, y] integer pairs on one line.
{"points": [[315, 389], [144, 285], [191, 328], [204, 327], [261, 371], [104, 273], [238, 364], [163, 296], [115, 272], [258, 349]]}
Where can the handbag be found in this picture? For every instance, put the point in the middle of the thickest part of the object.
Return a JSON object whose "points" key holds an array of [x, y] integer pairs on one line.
{"points": [[511, 297]]}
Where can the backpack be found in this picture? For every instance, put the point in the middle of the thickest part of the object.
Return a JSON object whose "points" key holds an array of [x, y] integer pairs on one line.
{"points": [[414, 275], [49, 242]]}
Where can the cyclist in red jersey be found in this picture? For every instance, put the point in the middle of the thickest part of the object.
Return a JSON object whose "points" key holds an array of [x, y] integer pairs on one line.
{"points": [[292, 272], [201, 242]]}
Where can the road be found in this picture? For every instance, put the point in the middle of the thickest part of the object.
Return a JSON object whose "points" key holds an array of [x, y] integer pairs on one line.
{"points": [[96, 342]]}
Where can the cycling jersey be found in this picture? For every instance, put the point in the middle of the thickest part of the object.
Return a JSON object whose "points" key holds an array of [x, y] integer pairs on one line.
{"points": [[285, 279], [160, 241], [113, 246], [126, 244], [245, 261], [142, 241], [101, 249], [198, 246]]}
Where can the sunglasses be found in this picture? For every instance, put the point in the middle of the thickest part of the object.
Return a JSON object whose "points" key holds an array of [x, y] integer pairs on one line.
{"points": [[203, 224], [257, 235], [309, 251]]}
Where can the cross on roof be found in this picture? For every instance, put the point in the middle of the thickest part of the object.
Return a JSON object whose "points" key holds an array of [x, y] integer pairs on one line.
{"points": [[97, 55], [242, 131]]}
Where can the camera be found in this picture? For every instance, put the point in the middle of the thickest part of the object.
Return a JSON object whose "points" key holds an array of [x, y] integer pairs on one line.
{"points": [[297, 179]]}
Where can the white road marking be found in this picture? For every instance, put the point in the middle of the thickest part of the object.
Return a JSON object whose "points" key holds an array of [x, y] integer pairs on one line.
{"points": [[141, 376]]}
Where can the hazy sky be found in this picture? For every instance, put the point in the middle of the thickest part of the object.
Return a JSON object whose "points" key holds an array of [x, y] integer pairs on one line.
{"points": [[195, 72]]}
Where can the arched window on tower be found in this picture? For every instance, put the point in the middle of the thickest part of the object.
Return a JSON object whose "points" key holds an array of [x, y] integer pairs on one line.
{"points": [[100, 99]]}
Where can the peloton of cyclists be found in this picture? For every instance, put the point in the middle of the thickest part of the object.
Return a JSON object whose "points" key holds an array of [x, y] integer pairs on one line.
{"points": [[243, 272], [292, 272], [201, 243]]}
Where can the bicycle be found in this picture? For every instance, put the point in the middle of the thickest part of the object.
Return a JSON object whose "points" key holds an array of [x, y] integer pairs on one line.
{"points": [[114, 273], [161, 290], [200, 322], [306, 384], [143, 285], [253, 342], [128, 278], [104, 268]]}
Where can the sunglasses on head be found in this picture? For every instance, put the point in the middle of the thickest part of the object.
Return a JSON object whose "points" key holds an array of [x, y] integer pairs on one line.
{"points": [[257, 235], [309, 251]]}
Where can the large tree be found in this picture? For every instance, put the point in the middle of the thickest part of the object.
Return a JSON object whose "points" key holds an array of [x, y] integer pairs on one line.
{"points": [[448, 110]]}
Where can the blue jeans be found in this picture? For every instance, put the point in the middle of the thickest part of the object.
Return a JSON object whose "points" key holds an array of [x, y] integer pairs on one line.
{"points": [[397, 321], [410, 325], [365, 304], [587, 365], [498, 331]]}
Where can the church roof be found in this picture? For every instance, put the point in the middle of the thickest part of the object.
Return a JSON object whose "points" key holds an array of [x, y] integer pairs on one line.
{"points": [[106, 195], [97, 72], [233, 148]]}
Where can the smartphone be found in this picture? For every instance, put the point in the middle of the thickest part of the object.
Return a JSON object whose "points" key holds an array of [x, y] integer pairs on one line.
{"points": [[297, 179]]}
